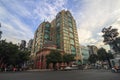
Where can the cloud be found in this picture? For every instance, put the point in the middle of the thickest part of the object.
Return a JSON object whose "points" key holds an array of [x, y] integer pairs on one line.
{"points": [[13, 28], [48, 9], [87, 35], [22, 18], [93, 16], [18, 8]]}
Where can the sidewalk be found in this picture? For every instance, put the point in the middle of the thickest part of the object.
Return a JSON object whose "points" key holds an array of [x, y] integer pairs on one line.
{"points": [[40, 70]]}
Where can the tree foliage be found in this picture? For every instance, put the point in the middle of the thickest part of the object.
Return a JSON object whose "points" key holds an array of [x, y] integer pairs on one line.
{"points": [[111, 38], [11, 55], [102, 54], [93, 58], [54, 57], [68, 58]]}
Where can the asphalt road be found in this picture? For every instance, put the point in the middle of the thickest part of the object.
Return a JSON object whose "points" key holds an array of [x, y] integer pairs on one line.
{"points": [[61, 75]]}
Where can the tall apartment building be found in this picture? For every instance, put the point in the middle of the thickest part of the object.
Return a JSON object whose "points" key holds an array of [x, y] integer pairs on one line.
{"points": [[42, 35], [62, 31], [23, 45], [29, 46], [66, 33]]}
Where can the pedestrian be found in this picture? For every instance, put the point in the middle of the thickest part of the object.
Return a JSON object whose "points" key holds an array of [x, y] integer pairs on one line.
{"points": [[14, 69]]}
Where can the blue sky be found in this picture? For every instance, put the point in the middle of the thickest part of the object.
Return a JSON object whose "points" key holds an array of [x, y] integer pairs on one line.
{"points": [[20, 18]]}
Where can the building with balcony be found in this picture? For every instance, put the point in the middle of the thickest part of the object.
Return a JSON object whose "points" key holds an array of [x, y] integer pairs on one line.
{"points": [[61, 31]]}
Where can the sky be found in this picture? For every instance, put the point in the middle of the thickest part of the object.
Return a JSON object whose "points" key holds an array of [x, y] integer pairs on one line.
{"points": [[20, 18]]}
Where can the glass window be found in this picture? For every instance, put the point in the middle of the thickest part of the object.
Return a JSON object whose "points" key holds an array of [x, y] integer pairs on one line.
{"points": [[65, 31], [71, 35], [58, 24], [69, 20], [69, 14], [65, 37], [73, 50], [70, 24], [65, 34], [65, 28], [46, 36], [47, 31], [47, 25], [71, 41], [71, 30]]}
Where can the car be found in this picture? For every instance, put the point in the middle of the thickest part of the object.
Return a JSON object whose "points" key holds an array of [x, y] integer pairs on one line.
{"points": [[67, 68]]}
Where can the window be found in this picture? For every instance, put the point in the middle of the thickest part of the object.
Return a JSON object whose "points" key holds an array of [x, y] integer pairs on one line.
{"points": [[69, 20], [65, 31], [71, 41], [58, 20], [71, 30], [47, 31], [58, 24], [65, 34], [69, 14], [73, 50], [46, 36], [70, 24], [65, 37], [47, 25], [71, 35]]}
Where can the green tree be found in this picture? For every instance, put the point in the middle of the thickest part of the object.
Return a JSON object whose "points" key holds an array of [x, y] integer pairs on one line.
{"points": [[22, 57], [102, 54], [111, 38], [93, 58], [68, 58], [116, 45], [10, 54], [54, 57]]}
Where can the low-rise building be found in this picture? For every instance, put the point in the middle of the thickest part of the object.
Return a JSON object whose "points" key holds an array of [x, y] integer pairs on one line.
{"points": [[85, 54]]}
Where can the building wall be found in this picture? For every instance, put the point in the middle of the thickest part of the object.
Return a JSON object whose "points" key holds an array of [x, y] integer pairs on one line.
{"points": [[41, 59], [41, 36], [92, 49], [62, 31], [30, 44], [85, 54], [66, 33]]}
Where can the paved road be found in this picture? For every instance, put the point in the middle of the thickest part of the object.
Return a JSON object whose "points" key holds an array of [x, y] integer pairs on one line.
{"points": [[61, 75]]}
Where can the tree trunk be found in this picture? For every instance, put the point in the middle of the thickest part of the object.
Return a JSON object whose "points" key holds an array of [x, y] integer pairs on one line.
{"points": [[54, 66]]}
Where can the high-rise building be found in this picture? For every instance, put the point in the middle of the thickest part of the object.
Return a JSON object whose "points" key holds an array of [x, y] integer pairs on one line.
{"points": [[23, 45], [66, 33], [29, 47], [41, 36], [62, 31]]}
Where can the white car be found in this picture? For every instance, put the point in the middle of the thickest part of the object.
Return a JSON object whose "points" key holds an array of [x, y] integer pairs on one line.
{"points": [[67, 68]]}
